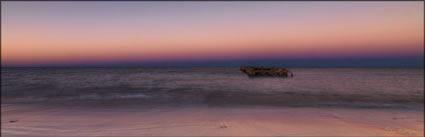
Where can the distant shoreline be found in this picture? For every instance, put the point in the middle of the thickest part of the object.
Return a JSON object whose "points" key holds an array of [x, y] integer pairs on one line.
{"points": [[7, 67]]}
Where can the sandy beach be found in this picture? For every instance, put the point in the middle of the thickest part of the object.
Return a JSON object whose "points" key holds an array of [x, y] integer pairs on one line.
{"points": [[209, 121]]}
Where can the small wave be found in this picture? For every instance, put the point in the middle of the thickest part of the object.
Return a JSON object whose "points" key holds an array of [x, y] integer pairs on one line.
{"points": [[116, 96], [247, 98], [82, 97]]}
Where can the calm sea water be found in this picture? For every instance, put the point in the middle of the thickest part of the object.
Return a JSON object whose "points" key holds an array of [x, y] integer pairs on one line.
{"points": [[214, 85]]}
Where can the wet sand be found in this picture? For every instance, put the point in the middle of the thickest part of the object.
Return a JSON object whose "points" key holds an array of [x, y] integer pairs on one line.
{"points": [[32, 120]]}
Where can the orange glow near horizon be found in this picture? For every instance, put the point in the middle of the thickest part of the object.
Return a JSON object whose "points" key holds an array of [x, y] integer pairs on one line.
{"points": [[381, 28]]}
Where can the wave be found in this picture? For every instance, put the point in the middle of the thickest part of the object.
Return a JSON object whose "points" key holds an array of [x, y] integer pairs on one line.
{"points": [[234, 98]]}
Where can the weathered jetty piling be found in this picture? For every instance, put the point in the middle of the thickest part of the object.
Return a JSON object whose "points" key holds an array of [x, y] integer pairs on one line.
{"points": [[261, 71]]}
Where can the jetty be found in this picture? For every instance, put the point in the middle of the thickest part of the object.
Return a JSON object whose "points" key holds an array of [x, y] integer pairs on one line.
{"points": [[266, 71]]}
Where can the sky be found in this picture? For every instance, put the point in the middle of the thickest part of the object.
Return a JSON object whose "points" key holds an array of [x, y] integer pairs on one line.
{"points": [[189, 33]]}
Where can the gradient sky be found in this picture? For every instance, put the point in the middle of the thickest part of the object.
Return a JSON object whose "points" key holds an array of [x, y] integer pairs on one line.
{"points": [[226, 33]]}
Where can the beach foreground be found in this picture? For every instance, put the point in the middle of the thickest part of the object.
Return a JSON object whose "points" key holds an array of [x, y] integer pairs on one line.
{"points": [[32, 120]]}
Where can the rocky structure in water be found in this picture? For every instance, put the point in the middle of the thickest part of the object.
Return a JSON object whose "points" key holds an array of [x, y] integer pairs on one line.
{"points": [[261, 71]]}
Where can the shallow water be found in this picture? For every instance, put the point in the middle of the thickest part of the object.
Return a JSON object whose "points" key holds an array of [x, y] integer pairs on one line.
{"points": [[360, 87], [43, 120]]}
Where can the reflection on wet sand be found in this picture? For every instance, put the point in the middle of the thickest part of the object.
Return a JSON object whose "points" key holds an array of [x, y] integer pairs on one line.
{"points": [[209, 121]]}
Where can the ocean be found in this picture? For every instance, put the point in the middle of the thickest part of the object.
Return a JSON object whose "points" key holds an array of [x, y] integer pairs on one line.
{"points": [[211, 101], [312, 87]]}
